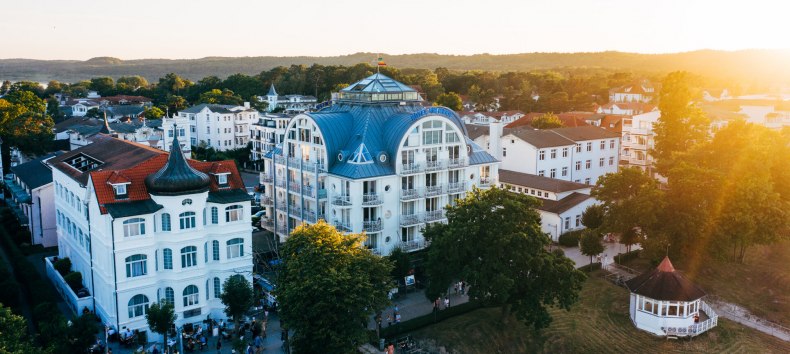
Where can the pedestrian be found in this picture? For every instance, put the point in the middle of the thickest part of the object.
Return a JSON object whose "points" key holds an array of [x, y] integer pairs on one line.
{"points": [[396, 308], [455, 288], [463, 287], [258, 344], [397, 318], [155, 350], [389, 320], [219, 345], [266, 313], [446, 302]]}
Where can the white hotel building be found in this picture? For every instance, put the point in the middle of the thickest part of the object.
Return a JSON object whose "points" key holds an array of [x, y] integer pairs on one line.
{"points": [[375, 161], [145, 226], [222, 127]]}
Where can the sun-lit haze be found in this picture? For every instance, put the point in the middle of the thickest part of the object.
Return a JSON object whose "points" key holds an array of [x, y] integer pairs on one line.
{"points": [[56, 29]]}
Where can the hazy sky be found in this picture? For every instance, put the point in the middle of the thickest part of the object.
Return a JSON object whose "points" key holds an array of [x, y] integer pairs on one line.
{"points": [[82, 29]]}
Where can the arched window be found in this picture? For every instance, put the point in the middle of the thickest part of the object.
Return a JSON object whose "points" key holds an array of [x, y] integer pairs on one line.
{"points": [[138, 306], [186, 220], [217, 292], [235, 248], [191, 295], [167, 258], [214, 215], [170, 296], [136, 265], [165, 222], [215, 250], [188, 256], [233, 213], [134, 227]]}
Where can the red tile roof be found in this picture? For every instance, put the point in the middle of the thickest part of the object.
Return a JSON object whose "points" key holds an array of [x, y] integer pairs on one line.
{"points": [[136, 190], [569, 119]]}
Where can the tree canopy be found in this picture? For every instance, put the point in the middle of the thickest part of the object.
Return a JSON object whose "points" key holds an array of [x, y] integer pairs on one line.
{"points": [[237, 296], [450, 100], [14, 338], [493, 241], [547, 121], [329, 287], [24, 122], [160, 317]]}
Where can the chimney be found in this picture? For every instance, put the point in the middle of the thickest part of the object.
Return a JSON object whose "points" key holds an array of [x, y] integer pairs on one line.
{"points": [[246, 105], [495, 138]]}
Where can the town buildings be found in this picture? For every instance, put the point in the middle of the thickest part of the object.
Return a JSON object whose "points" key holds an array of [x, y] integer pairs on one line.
{"points": [[484, 118], [288, 103], [31, 195], [640, 91], [266, 133], [580, 154], [562, 202], [375, 161], [222, 127], [145, 226], [639, 140], [152, 132]]}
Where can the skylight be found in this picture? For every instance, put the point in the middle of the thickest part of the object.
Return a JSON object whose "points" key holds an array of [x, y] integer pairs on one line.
{"points": [[83, 163], [361, 155]]}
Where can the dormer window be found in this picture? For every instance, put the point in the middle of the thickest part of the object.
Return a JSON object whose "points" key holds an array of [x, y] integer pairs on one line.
{"points": [[222, 179], [120, 190]]}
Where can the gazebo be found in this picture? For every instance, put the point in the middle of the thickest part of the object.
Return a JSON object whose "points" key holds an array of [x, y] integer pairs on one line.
{"points": [[665, 303]]}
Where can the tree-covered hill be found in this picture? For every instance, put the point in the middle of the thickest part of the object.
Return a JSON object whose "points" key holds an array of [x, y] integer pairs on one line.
{"points": [[751, 65]]}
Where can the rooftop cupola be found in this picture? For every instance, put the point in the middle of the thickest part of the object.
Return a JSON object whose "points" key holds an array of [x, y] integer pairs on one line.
{"points": [[176, 177], [378, 88]]}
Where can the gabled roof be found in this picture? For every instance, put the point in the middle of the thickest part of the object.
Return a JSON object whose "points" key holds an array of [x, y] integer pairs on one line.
{"points": [[68, 123], [587, 132], [564, 204], [35, 173], [475, 131], [112, 154], [539, 138], [539, 182], [665, 283], [216, 108]]}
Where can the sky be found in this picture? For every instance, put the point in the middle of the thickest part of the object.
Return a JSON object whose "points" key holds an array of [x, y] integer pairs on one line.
{"points": [[173, 29]]}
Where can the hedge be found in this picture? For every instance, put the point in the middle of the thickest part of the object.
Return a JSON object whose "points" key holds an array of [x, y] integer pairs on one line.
{"points": [[570, 238], [590, 267], [74, 279], [425, 320], [625, 257], [63, 266]]}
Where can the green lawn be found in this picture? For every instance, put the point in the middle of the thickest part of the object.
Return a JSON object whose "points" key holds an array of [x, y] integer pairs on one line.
{"points": [[599, 323]]}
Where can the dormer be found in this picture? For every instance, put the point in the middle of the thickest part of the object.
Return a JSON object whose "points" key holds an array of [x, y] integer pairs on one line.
{"points": [[119, 184]]}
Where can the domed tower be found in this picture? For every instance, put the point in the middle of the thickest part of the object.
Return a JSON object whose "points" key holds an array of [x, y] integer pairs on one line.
{"points": [[176, 177]]}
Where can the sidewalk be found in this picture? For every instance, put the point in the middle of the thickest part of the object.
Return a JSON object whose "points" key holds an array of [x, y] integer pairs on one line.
{"points": [[611, 249], [412, 305]]}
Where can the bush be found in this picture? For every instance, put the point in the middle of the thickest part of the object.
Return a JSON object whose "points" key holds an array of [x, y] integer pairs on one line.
{"points": [[590, 267], [426, 320], [63, 266], [74, 279], [625, 257], [570, 238]]}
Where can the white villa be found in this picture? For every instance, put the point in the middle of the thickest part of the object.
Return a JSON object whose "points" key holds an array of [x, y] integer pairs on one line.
{"points": [[376, 161], [222, 127], [288, 103], [145, 226]]}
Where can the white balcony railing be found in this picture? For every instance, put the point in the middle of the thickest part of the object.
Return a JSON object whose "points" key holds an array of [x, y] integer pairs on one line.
{"points": [[341, 200], [456, 187], [409, 220], [372, 225], [410, 194], [371, 199], [342, 226], [434, 215], [413, 245], [409, 168], [434, 165], [697, 328], [431, 191]]}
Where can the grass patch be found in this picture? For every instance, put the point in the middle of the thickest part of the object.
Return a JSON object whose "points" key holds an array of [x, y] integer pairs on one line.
{"points": [[599, 323]]}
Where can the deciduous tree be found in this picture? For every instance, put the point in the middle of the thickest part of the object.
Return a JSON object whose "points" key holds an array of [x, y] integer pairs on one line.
{"points": [[493, 241], [591, 244], [237, 296], [160, 318], [450, 100], [14, 338], [546, 121], [329, 287]]}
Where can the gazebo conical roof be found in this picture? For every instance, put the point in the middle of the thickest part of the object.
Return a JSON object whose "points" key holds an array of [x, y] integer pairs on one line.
{"points": [[665, 283]]}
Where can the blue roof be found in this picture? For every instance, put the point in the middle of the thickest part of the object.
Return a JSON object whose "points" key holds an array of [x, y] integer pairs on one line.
{"points": [[378, 83], [479, 155]]}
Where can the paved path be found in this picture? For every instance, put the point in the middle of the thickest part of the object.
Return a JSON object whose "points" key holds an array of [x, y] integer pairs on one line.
{"points": [[738, 314], [607, 256]]}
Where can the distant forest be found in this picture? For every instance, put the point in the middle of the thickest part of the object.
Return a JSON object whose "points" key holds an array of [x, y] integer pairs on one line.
{"points": [[748, 67]]}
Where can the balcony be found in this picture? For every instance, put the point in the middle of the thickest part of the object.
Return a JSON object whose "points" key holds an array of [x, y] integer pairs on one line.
{"points": [[267, 223], [282, 206], [485, 182], [295, 187], [435, 215], [266, 178], [280, 183], [342, 226], [311, 216], [413, 245], [294, 162], [295, 211], [372, 225], [456, 187], [369, 199], [434, 165], [75, 302], [432, 191], [410, 220], [341, 200], [456, 163], [410, 168], [310, 192], [410, 194], [267, 201]]}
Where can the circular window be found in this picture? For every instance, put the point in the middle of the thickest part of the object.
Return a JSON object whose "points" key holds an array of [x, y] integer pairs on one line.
{"points": [[387, 239], [340, 156], [186, 202], [387, 188], [469, 149], [472, 176], [387, 214], [334, 187], [383, 158], [334, 212]]}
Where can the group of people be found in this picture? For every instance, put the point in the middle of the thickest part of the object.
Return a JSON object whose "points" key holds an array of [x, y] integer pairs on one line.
{"points": [[395, 316]]}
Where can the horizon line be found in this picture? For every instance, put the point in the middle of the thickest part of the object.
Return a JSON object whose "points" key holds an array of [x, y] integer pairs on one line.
{"points": [[408, 54]]}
